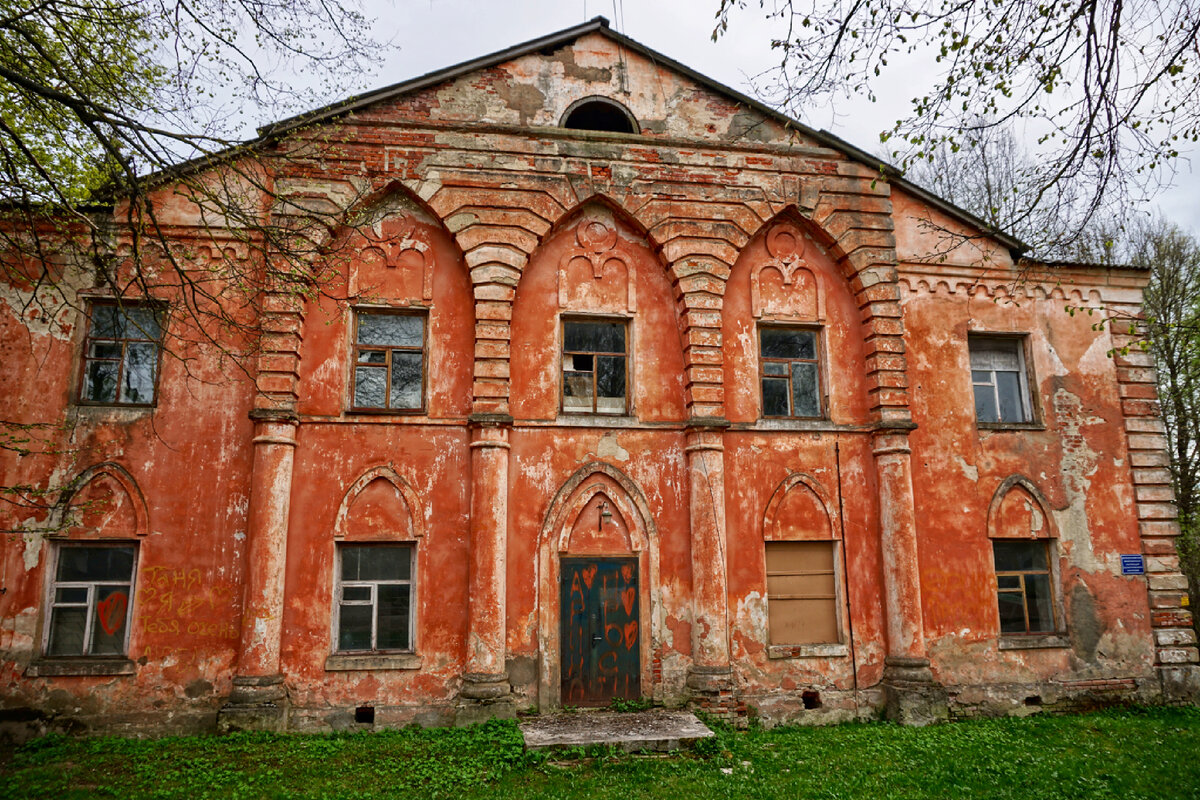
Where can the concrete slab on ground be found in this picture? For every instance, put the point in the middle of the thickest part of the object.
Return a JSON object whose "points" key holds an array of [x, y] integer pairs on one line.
{"points": [[656, 730]]}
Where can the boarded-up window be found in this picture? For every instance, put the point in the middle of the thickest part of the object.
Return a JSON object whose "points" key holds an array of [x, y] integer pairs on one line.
{"points": [[802, 593]]}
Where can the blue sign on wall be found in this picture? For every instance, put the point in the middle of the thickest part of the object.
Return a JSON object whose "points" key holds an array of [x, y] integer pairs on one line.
{"points": [[1133, 565]]}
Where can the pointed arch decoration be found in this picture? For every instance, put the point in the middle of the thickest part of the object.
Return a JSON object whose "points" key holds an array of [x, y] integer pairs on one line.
{"points": [[405, 496], [1019, 510], [125, 494], [786, 287], [589, 481], [800, 496], [386, 223]]}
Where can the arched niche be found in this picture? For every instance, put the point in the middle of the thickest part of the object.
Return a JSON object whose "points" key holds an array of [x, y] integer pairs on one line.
{"points": [[597, 262], [576, 509], [800, 510], [1019, 511], [394, 255], [379, 506], [787, 275], [105, 502]]}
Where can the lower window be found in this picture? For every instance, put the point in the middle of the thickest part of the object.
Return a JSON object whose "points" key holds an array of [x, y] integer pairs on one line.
{"points": [[1024, 586], [801, 593], [374, 598], [91, 600]]}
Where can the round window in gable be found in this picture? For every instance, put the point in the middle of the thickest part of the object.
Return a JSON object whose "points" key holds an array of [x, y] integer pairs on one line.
{"points": [[599, 114]]}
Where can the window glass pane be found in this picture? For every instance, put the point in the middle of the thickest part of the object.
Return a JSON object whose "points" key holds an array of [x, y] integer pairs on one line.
{"points": [[990, 354], [594, 337], [406, 380], [610, 376], [1008, 581], [354, 627], [372, 357], [1014, 556], [108, 620], [100, 381], [66, 631], [775, 368], [1037, 598], [369, 387], [71, 594], [985, 404], [1012, 612], [104, 322], [376, 563], [95, 564], [397, 330], [577, 391], [981, 377], [141, 361], [140, 322], [788, 343], [105, 350], [392, 624], [1008, 385], [806, 401], [356, 593], [775, 397]]}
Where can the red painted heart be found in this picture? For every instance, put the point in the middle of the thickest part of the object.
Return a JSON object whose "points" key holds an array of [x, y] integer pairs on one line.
{"points": [[111, 611], [627, 598], [589, 575], [631, 635]]}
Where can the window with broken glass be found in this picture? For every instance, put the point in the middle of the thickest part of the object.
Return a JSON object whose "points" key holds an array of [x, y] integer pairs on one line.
{"points": [[121, 355], [90, 600], [1024, 586], [595, 363], [389, 361], [999, 380], [374, 595], [790, 372]]}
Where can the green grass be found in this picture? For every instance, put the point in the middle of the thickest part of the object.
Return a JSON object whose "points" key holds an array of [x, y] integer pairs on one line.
{"points": [[1140, 753]]}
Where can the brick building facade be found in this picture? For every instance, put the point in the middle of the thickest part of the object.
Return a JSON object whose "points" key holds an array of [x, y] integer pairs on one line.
{"points": [[639, 390]]}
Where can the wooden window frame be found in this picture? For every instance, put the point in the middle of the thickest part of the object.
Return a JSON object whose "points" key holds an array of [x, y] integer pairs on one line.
{"points": [[835, 596], [817, 360], [159, 310], [53, 584], [1029, 409], [1049, 572], [339, 600], [563, 353], [356, 349]]}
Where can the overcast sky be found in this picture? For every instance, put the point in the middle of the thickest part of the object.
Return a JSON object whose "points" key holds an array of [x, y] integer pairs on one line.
{"points": [[431, 34]]}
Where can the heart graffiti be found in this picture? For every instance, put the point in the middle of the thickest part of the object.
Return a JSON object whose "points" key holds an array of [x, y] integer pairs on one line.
{"points": [[111, 611]]}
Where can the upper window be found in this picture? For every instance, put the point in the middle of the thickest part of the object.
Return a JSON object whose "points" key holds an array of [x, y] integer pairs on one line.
{"points": [[121, 355], [999, 379], [90, 600], [1024, 586], [374, 598], [802, 593], [790, 373], [599, 114], [595, 362], [389, 361]]}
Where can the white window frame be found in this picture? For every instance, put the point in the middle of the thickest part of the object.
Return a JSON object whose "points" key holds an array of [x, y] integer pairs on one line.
{"points": [[53, 584], [1022, 371], [373, 585]]}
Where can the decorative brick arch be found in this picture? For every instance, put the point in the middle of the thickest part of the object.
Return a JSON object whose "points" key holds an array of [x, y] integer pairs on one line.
{"points": [[595, 477], [1022, 484], [127, 493], [863, 248], [387, 474], [798, 481]]}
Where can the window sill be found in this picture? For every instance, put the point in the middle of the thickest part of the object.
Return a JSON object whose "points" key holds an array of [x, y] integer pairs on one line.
{"points": [[79, 665], [807, 651], [1034, 641], [584, 419], [346, 662], [1011, 426]]}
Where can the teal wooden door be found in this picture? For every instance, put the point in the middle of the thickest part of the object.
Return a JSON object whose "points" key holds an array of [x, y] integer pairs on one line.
{"points": [[600, 631]]}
